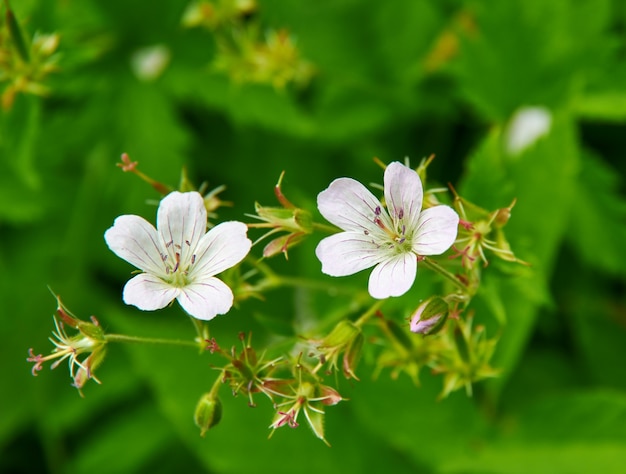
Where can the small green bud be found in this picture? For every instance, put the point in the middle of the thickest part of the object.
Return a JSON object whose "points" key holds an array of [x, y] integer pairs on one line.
{"points": [[342, 334], [208, 412], [287, 219]]}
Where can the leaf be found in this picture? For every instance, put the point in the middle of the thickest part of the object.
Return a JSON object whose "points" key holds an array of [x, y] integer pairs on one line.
{"points": [[597, 229], [576, 433], [510, 56], [141, 429]]}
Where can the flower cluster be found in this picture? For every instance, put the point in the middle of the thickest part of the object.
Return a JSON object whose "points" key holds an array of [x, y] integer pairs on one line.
{"points": [[197, 263], [24, 65], [243, 52], [89, 340]]}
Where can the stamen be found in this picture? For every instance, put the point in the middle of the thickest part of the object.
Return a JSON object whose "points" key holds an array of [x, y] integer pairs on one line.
{"points": [[177, 262], [401, 213]]}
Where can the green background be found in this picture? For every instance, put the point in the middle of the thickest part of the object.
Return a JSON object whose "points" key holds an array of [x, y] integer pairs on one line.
{"points": [[383, 87]]}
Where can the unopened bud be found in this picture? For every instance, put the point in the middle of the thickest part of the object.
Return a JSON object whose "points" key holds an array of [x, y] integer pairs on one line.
{"points": [[288, 219], [430, 316], [208, 412], [342, 334], [347, 338]]}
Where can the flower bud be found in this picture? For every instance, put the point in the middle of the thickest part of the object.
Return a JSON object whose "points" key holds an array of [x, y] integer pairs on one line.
{"points": [[430, 316], [345, 337], [208, 412], [341, 335], [287, 219]]}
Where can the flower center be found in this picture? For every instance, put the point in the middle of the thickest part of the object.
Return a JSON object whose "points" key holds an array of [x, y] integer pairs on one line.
{"points": [[178, 261], [397, 233]]}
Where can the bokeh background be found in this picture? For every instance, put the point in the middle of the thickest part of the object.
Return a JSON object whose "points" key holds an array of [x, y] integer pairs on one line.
{"points": [[317, 89]]}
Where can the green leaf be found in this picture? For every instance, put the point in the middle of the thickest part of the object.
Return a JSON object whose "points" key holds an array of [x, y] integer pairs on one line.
{"points": [[576, 433], [597, 229], [141, 428], [511, 56]]}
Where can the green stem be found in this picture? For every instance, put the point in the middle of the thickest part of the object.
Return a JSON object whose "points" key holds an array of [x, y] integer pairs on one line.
{"points": [[445, 273], [148, 340], [201, 329], [369, 313], [219, 381], [273, 280]]}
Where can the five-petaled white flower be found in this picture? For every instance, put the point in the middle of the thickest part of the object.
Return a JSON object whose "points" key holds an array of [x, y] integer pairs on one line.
{"points": [[390, 239], [180, 259]]}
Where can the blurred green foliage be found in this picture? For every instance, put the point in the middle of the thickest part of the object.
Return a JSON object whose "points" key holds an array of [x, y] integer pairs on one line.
{"points": [[389, 79]]}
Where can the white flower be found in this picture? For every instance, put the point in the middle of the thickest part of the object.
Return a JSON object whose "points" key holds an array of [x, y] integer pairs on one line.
{"points": [[389, 239], [180, 259], [149, 63], [527, 126]]}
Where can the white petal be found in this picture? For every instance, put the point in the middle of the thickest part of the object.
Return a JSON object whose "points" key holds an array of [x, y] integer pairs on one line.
{"points": [[436, 231], [526, 127], [349, 205], [224, 246], [181, 221], [136, 241], [206, 299], [393, 277], [347, 253], [403, 193], [148, 292]]}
